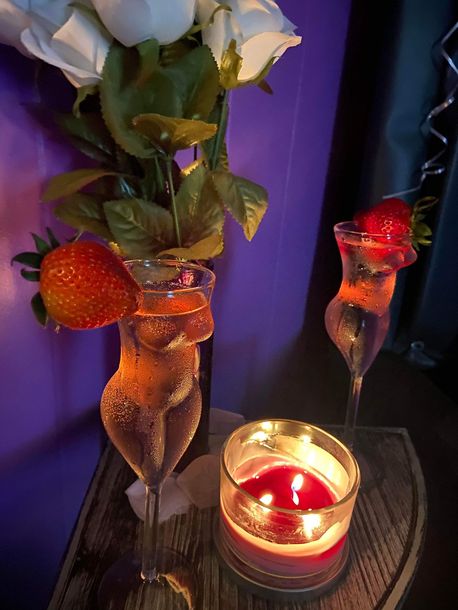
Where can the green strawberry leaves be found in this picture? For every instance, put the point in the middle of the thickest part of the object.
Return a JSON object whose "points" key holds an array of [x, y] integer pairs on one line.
{"points": [[421, 232], [39, 309], [34, 260]]}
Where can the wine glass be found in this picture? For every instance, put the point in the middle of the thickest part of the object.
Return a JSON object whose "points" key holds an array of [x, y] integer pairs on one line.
{"points": [[151, 408], [358, 317]]}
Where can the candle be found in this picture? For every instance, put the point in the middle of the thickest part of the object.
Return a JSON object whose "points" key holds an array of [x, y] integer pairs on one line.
{"points": [[287, 494]]}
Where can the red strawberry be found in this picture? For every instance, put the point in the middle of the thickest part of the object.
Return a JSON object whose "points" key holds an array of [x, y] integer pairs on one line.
{"points": [[394, 217], [85, 285], [389, 217]]}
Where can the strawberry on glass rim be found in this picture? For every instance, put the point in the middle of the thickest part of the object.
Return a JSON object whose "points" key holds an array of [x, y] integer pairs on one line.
{"points": [[83, 284], [394, 218]]}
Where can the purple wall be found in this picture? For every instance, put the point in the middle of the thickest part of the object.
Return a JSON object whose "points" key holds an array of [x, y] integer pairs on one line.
{"points": [[50, 384], [283, 142]]}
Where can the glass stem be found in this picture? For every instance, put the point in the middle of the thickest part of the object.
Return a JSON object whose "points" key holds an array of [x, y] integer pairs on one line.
{"points": [[150, 534], [352, 411]]}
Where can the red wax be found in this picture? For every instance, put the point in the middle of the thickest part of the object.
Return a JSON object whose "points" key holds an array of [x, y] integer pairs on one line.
{"points": [[277, 542], [290, 487]]}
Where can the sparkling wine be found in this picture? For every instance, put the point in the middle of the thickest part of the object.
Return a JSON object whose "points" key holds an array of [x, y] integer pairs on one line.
{"points": [[151, 406], [358, 318]]}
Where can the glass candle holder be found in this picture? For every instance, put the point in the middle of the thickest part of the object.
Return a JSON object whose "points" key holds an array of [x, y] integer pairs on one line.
{"points": [[286, 501]]}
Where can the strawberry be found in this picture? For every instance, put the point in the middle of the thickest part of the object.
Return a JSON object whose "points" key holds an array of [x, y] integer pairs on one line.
{"points": [[82, 284], [388, 217], [394, 217]]}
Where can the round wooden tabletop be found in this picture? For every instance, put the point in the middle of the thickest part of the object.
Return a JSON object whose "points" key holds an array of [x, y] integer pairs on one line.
{"points": [[386, 537]]}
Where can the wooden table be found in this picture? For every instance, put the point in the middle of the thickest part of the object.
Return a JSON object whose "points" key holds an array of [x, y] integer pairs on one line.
{"points": [[386, 537]]}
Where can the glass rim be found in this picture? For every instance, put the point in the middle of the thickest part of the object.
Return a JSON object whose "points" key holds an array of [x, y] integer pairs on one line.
{"points": [[294, 511], [344, 227], [209, 282]]}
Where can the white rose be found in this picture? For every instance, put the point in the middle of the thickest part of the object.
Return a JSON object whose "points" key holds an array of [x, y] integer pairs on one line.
{"points": [[259, 28], [133, 21], [68, 38], [13, 21]]}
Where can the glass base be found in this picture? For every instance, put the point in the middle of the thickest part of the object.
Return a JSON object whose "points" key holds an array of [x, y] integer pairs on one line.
{"points": [[273, 586], [122, 586]]}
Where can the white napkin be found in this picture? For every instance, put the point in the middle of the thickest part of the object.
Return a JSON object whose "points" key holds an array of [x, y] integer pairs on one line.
{"points": [[199, 482]]}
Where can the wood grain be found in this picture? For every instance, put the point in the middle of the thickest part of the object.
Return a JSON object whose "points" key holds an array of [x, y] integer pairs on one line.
{"points": [[386, 537]]}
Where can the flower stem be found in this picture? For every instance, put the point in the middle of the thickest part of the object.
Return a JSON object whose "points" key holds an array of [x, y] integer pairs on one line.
{"points": [[222, 125], [176, 224]]}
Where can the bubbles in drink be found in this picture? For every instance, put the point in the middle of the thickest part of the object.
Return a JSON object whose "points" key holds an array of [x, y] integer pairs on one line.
{"points": [[151, 406]]}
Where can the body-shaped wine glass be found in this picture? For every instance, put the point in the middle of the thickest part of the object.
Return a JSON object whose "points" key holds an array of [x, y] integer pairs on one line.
{"points": [[358, 317], [151, 406]]}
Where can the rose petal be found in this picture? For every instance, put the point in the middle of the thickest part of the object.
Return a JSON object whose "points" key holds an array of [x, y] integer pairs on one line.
{"points": [[173, 500], [38, 42], [133, 21], [256, 16], [288, 27], [257, 52], [12, 22], [200, 481], [224, 422], [79, 42], [224, 28], [51, 14]]}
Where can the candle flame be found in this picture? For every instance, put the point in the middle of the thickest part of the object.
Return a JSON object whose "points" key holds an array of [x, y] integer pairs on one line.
{"points": [[297, 483]]}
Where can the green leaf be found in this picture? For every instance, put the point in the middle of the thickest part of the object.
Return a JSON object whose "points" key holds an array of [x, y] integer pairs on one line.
{"points": [[208, 147], [264, 86], [31, 276], [196, 78], [171, 53], [71, 182], [170, 134], [199, 209], [32, 259], [40, 244], [81, 94], [207, 248], [231, 64], [123, 97], [141, 229], [148, 52], [422, 230], [89, 134], [52, 238], [85, 213], [245, 200], [39, 309]]}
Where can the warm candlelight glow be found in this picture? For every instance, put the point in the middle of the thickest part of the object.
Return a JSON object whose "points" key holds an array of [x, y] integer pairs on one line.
{"points": [[296, 485], [287, 494], [306, 439], [311, 524], [266, 499], [258, 437]]}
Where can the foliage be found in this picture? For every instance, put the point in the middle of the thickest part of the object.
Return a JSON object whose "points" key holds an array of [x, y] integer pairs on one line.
{"points": [[152, 102]]}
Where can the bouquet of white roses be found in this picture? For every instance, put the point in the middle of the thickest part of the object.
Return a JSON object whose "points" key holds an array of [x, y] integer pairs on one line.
{"points": [[152, 78]]}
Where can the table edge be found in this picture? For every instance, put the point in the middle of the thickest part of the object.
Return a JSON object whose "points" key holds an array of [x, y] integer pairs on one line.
{"points": [[398, 594]]}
